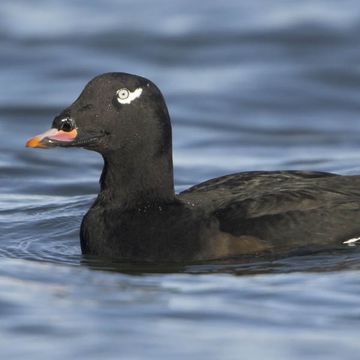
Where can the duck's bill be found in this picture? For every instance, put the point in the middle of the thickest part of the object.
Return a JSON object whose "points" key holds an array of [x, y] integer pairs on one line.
{"points": [[52, 138]]}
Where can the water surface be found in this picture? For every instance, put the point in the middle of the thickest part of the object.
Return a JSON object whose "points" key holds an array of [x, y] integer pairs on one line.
{"points": [[250, 85]]}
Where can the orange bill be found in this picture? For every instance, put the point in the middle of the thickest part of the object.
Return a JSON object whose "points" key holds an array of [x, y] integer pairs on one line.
{"points": [[51, 138]]}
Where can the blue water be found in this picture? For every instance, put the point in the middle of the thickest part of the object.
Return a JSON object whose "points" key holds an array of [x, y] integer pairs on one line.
{"points": [[250, 85]]}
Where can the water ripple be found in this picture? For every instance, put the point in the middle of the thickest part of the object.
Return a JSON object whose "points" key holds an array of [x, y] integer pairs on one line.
{"points": [[250, 85]]}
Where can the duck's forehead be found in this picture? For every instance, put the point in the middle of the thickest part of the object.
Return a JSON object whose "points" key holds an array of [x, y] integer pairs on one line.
{"points": [[114, 82], [106, 87]]}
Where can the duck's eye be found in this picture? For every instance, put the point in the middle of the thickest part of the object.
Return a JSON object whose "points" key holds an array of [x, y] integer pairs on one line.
{"points": [[123, 94], [66, 124]]}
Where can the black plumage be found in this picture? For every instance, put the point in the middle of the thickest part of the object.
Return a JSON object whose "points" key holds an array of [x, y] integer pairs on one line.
{"points": [[138, 217]]}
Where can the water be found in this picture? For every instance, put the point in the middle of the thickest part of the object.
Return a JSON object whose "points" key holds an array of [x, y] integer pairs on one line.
{"points": [[250, 85]]}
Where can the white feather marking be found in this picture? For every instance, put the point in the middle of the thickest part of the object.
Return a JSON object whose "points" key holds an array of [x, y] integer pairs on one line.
{"points": [[132, 96], [352, 241]]}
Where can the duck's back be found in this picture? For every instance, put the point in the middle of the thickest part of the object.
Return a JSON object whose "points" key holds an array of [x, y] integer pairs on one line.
{"points": [[284, 210]]}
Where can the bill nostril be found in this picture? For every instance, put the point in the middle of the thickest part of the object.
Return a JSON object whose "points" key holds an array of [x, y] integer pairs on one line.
{"points": [[66, 125]]}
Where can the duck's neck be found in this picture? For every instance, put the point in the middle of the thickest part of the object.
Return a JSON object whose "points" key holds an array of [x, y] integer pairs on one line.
{"points": [[137, 180]]}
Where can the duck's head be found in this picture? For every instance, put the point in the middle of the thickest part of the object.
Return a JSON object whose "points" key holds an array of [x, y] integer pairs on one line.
{"points": [[114, 112]]}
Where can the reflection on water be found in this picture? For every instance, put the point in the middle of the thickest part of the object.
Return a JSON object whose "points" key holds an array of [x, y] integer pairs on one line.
{"points": [[324, 261], [250, 85]]}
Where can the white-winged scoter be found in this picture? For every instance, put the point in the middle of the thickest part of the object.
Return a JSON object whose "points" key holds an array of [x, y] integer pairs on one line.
{"points": [[138, 217]]}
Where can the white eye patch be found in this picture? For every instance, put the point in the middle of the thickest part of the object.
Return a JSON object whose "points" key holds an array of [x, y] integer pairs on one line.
{"points": [[125, 96]]}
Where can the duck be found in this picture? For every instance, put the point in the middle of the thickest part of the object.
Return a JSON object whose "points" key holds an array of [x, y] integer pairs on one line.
{"points": [[137, 216]]}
